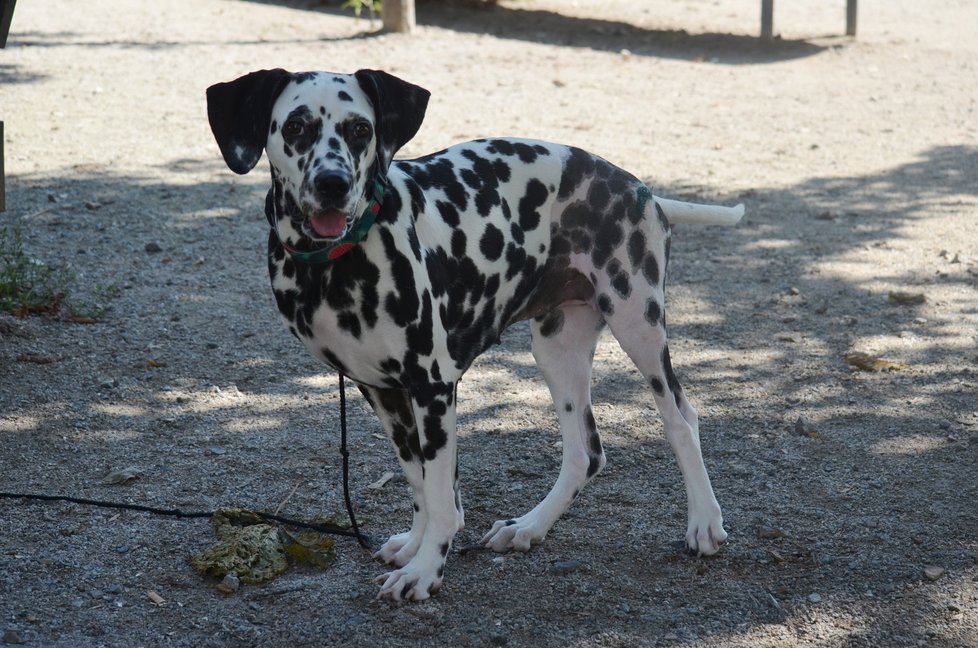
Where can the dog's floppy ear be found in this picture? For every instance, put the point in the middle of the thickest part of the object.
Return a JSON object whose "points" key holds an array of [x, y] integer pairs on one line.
{"points": [[240, 112], [398, 109]]}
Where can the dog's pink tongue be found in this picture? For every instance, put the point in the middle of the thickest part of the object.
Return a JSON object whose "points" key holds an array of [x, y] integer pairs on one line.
{"points": [[328, 224]]}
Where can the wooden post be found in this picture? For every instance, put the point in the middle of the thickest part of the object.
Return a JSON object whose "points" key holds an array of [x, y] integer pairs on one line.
{"points": [[767, 19], [3, 181], [398, 16], [6, 15], [850, 17]]}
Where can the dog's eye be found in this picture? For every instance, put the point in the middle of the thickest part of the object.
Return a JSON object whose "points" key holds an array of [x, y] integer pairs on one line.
{"points": [[292, 128], [362, 130]]}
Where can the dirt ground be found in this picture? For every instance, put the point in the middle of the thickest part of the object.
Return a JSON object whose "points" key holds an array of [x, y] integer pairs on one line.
{"points": [[858, 163]]}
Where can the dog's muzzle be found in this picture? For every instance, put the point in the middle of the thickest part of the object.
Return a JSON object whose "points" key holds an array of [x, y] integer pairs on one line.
{"points": [[331, 189]]}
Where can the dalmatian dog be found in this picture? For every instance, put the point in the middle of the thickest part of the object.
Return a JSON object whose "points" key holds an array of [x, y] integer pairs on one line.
{"points": [[399, 273]]}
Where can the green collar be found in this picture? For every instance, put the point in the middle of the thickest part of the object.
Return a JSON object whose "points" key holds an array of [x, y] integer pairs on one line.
{"points": [[342, 245]]}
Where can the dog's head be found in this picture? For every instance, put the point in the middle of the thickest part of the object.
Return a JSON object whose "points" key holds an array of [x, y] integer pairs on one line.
{"points": [[327, 136]]}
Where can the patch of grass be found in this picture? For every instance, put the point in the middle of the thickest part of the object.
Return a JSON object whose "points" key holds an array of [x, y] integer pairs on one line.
{"points": [[373, 7], [31, 287]]}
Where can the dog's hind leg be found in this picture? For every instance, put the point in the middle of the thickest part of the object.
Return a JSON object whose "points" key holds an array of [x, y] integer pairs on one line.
{"points": [[563, 346], [393, 408], [639, 326]]}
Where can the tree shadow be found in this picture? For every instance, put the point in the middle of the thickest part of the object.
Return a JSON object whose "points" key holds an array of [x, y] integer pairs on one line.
{"points": [[553, 28], [14, 74]]}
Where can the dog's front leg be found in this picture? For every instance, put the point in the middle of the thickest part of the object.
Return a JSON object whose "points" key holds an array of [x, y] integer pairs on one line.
{"points": [[434, 412], [396, 413]]}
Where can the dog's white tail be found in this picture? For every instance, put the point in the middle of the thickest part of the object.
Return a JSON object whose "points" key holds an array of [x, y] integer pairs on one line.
{"points": [[678, 211]]}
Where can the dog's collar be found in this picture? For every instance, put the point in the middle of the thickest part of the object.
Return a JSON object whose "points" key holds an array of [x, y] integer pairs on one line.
{"points": [[341, 246]]}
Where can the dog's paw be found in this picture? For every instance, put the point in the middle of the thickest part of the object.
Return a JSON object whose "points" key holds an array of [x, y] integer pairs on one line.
{"points": [[705, 534], [514, 535], [399, 549], [413, 582]]}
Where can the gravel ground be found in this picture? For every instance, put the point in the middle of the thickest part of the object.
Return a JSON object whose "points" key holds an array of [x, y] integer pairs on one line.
{"points": [[857, 159]]}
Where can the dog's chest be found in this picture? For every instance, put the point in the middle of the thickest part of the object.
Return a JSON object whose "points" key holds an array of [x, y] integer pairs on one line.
{"points": [[341, 312]]}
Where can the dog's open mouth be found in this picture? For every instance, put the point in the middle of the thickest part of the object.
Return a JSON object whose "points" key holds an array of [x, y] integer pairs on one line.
{"points": [[328, 223]]}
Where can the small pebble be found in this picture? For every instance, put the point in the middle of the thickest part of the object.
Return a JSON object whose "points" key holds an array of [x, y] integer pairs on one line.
{"points": [[11, 637], [770, 533], [153, 247], [815, 598], [230, 584], [933, 572], [565, 567], [805, 427]]}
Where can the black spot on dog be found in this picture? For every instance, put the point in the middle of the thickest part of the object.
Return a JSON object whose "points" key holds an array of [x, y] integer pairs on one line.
{"points": [[333, 361], [402, 304], [650, 268], [636, 249], [491, 243], [391, 366], [598, 195], [534, 198], [349, 322], [663, 221], [621, 285], [605, 306], [653, 312], [448, 213], [672, 382], [344, 96], [657, 385], [551, 323], [578, 167], [458, 243], [485, 200], [593, 464], [516, 234]]}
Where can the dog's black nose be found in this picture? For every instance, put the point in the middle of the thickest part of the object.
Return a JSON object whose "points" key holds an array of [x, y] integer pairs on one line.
{"points": [[332, 185]]}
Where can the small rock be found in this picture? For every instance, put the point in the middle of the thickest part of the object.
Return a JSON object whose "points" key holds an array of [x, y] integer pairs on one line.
{"points": [[153, 247], [123, 549], [230, 584], [565, 567], [933, 572], [826, 216], [11, 637], [900, 297], [805, 427], [815, 598], [92, 206], [216, 450], [770, 533], [107, 382]]}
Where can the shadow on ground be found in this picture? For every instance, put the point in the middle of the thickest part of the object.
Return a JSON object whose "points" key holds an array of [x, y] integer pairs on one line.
{"points": [[883, 488]]}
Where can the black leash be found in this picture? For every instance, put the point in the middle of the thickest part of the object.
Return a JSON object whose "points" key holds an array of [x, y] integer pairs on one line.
{"points": [[354, 531], [346, 468]]}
